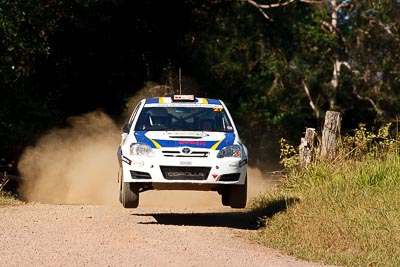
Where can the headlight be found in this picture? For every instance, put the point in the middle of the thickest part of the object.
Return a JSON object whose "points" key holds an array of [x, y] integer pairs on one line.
{"points": [[230, 152], [138, 149]]}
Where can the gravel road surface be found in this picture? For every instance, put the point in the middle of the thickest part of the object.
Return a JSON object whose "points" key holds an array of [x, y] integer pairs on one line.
{"points": [[37, 234]]}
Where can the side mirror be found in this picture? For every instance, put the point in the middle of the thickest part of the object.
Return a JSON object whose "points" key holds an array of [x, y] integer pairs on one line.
{"points": [[126, 128]]}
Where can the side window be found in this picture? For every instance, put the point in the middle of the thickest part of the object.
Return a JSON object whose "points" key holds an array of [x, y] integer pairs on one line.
{"points": [[134, 113], [128, 126]]}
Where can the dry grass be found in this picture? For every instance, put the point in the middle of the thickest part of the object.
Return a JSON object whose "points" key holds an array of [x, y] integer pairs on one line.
{"points": [[7, 199], [347, 213]]}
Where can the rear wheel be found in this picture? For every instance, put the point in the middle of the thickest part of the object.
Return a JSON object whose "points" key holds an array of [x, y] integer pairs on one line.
{"points": [[238, 195], [129, 195]]}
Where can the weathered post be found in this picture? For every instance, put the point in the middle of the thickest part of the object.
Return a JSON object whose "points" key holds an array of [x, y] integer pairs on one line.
{"points": [[330, 134], [307, 147]]}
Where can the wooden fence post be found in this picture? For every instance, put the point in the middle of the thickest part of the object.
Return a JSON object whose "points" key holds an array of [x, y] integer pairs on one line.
{"points": [[307, 147], [330, 134]]}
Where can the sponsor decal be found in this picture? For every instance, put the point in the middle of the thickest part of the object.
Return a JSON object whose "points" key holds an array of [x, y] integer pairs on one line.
{"points": [[196, 143]]}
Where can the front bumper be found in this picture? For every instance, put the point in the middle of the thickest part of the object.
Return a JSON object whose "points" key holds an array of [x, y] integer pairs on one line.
{"points": [[203, 169]]}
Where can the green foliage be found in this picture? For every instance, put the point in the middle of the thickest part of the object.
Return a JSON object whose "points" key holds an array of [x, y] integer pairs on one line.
{"points": [[363, 143], [55, 53], [289, 155], [65, 58], [373, 32], [245, 61], [25, 29]]}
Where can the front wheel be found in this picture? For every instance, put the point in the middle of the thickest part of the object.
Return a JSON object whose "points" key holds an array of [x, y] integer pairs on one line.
{"points": [[129, 195], [225, 197], [238, 195], [120, 183]]}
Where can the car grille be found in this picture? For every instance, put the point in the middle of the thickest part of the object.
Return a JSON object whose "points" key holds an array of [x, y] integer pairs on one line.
{"points": [[185, 173], [193, 154]]}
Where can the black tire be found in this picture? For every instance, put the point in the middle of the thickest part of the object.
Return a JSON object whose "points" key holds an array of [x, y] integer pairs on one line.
{"points": [[225, 198], [238, 196], [120, 184], [120, 192], [130, 195]]}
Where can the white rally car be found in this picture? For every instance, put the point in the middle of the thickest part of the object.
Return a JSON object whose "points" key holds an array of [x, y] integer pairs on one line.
{"points": [[182, 143]]}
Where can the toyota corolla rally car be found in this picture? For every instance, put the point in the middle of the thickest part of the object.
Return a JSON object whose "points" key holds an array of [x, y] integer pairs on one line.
{"points": [[182, 143]]}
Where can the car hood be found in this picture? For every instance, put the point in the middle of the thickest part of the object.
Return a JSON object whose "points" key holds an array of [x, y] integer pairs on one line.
{"points": [[196, 139]]}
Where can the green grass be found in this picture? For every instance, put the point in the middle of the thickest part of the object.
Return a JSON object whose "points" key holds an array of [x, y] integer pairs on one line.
{"points": [[346, 213]]}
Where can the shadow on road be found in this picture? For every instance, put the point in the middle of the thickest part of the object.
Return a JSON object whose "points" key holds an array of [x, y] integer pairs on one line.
{"points": [[247, 220], [238, 220]]}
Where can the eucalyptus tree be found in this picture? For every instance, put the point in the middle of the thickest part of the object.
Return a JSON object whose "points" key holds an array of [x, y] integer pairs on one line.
{"points": [[360, 39], [283, 69], [245, 59]]}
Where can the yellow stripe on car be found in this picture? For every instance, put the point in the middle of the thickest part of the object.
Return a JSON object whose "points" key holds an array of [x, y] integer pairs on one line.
{"points": [[204, 101], [155, 143], [214, 147]]}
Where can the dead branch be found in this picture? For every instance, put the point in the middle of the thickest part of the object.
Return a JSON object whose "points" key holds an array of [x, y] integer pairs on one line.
{"points": [[375, 106], [261, 7], [311, 102]]}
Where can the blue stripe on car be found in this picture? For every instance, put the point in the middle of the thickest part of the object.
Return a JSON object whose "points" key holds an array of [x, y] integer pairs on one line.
{"points": [[152, 100], [229, 138], [213, 101]]}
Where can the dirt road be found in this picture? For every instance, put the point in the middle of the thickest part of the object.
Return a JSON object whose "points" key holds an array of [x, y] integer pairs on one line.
{"points": [[74, 170], [94, 235]]}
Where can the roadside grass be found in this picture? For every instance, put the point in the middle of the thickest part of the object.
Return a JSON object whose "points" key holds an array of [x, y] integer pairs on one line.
{"points": [[8, 199], [344, 213]]}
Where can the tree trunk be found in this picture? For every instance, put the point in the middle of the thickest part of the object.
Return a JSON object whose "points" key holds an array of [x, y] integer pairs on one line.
{"points": [[330, 134]]}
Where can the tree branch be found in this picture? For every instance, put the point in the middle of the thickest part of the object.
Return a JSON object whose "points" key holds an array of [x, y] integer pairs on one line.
{"points": [[261, 7], [311, 103], [375, 106], [342, 5], [328, 26], [268, 6]]}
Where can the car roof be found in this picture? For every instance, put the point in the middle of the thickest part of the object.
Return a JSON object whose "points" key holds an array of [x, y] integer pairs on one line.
{"points": [[169, 100]]}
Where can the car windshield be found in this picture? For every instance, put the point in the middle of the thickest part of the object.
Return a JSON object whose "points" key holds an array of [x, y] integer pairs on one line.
{"points": [[184, 119]]}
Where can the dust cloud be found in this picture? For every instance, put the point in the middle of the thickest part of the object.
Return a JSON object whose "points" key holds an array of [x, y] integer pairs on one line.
{"points": [[74, 165], [78, 165]]}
